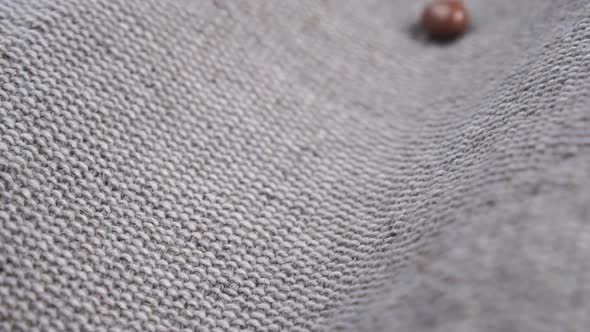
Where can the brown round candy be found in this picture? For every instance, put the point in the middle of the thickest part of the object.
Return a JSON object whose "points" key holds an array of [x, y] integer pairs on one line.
{"points": [[445, 19]]}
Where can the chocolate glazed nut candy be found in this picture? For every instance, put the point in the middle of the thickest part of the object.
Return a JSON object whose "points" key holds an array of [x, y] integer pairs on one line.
{"points": [[445, 19]]}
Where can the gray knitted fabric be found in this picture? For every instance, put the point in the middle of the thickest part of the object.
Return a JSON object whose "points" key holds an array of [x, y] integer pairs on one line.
{"points": [[173, 165]]}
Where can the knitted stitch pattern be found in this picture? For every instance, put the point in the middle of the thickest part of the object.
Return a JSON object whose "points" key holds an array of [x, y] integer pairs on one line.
{"points": [[293, 166]]}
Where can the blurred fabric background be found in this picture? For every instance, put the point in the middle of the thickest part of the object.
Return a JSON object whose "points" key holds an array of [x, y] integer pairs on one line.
{"points": [[293, 166]]}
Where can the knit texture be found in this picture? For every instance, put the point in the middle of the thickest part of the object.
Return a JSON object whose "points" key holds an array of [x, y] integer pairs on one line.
{"points": [[307, 165]]}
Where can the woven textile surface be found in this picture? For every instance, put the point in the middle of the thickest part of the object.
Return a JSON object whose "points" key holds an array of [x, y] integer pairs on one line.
{"points": [[171, 165]]}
